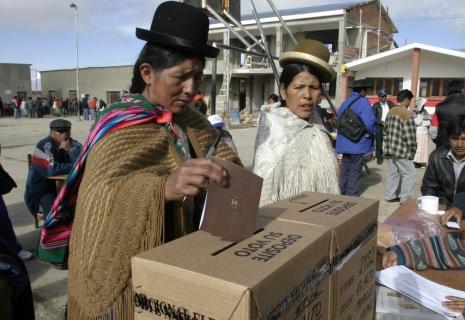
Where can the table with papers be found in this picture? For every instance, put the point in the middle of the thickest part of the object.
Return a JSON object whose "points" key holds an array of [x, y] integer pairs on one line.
{"points": [[391, 306], [419, 289]]}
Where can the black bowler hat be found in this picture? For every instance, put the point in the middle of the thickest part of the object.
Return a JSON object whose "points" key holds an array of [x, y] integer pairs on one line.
{"points": [[179, 26], [362, 84], [60, 124]]}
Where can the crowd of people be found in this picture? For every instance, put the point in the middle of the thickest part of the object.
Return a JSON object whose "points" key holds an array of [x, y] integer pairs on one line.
{"points": [[39, 106], [157, 137]]}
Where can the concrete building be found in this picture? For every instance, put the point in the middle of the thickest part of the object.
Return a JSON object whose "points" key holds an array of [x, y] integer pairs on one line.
{"points": [[351, 30], [423, 69], [15, 80], [102, 82]]}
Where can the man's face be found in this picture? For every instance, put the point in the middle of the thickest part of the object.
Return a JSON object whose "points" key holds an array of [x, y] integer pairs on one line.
{"points": [[457, 144], [383, 99], [61, 135]]}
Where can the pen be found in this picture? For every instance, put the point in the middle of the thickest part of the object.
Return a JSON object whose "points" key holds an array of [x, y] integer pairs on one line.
{"points": [[211, 150], [215, 143]]}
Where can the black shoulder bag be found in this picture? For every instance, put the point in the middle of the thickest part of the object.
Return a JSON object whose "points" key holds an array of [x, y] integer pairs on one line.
{"points": [[350, 124]]}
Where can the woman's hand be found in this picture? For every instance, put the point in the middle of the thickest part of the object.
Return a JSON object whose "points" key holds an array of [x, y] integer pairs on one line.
{"points": [[455, 304], [191, 176], [450, 214], [389, 259]]}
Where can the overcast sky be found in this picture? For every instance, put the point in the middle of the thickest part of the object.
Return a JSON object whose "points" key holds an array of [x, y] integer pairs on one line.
{"points": [[41, 32]]}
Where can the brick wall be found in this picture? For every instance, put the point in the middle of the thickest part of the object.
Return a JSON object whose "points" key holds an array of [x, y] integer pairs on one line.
{"points": [[370, 16]]}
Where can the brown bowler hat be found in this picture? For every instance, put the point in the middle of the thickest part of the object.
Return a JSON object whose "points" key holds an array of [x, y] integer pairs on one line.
{"points": [[313, 53]]}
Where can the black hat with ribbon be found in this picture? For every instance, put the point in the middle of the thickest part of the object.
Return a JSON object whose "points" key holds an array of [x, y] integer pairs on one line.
{"points": [[181, 27]]}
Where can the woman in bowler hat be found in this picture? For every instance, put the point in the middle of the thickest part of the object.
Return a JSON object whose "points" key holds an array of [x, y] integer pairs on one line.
{"points": [[142, 180], [293, 150]]}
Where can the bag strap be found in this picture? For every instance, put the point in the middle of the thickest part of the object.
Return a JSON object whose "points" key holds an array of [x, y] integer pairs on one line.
{"points": [[353, 101]]}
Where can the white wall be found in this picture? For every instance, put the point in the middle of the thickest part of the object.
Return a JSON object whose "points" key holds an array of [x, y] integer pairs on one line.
{"points": [[432, 65], [400, 68]]}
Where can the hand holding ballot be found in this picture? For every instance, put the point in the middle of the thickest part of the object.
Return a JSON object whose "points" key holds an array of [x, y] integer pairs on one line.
{"points": [[452, 214], [191, 176], [230, 210]]}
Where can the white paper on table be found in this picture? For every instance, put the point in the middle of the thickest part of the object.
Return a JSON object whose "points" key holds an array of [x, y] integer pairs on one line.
{"points": [[392, 305], [418, 288]]}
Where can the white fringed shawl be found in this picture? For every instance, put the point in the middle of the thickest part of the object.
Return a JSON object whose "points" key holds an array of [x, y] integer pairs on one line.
{"points": [[293, 156]]}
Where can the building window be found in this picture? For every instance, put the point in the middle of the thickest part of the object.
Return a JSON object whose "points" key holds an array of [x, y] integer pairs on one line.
{"points": [[72, 93], [112, 96], [390, 85], [435, 87]]}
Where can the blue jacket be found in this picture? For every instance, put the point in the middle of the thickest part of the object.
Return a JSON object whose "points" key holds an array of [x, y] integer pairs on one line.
{"points": [[47, 160], [363, 109]]}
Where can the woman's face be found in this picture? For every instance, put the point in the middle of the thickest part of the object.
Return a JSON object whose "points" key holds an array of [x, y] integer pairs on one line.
{"points": [[173, 88], [302, 94]]}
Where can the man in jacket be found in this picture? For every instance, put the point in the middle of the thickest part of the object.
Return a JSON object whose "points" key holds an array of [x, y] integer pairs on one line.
{"points": [[444, 176], [400, 146], [381, 109], [53, 155], [452, 107], [353, 151]]}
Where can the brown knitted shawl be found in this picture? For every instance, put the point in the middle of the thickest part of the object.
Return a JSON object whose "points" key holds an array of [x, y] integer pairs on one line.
{"points": [[121, 212]]}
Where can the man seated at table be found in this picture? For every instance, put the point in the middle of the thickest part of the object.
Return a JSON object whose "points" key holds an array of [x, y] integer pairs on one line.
{"points": [[444, 178], [53, 155], [444, 175]]}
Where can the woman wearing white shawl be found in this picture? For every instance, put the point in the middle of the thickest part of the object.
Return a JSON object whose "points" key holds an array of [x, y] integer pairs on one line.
{"points": [[293, 151]]}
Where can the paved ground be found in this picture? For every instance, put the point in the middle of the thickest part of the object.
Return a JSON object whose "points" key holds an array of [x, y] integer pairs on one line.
{"points": [[18, 138]]}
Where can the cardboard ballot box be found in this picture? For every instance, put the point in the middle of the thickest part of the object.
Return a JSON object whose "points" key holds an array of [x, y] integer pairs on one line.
{"points": [[281, 272], [353, 246]]}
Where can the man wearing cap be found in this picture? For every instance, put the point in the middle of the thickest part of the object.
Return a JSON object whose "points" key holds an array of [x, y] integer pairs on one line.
{"points": [[53, 155], [381, 109], [353, 151]]}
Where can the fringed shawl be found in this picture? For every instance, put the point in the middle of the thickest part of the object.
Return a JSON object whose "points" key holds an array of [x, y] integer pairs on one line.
{"points": [[293, 156], [121, 212]]}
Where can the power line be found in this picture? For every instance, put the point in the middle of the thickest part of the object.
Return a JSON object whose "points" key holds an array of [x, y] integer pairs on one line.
{"points": [[429, 18]]}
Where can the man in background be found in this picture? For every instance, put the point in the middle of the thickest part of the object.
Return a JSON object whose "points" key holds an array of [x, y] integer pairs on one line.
{"points": [[53, 155], [451, 108], [381, 109], [354, 151], [400, 145]]}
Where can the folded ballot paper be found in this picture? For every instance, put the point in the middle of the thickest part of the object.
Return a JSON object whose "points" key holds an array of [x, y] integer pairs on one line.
{"points": [[419, 289], [230, 211]]}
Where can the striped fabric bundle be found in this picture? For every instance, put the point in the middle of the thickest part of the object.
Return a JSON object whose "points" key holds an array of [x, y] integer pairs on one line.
{"points": [[438, 252], [56, 231]]}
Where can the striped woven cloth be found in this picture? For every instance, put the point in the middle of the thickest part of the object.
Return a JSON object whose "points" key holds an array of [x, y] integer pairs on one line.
{"points": [[438, 252], [57, 227]]}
